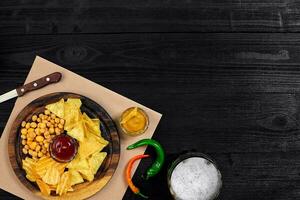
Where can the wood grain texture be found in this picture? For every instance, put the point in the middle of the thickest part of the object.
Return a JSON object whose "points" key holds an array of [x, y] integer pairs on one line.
{"points": [[77, 17], [232, 96], [108, 131]]}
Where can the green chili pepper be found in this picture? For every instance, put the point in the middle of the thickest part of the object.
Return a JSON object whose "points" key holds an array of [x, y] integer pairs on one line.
{"points": [[160, 158]]}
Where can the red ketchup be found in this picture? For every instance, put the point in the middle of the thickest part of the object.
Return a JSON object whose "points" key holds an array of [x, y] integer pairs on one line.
{"points": [[63, 148]]}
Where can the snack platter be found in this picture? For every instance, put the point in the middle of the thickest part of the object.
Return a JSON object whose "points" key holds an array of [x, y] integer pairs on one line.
{"points": [[40, 130]]}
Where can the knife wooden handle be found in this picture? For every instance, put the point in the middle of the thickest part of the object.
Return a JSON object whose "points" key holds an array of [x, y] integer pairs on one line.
{"points": [[42, 82]]}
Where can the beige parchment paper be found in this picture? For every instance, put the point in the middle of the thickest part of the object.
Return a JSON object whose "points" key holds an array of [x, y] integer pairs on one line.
{"points": [[112, 102]]}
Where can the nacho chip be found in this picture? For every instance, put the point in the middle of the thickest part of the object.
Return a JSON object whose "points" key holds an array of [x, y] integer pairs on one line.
{"points": [[44, 188], [87, 174], [72, 117], [91, 145], [96, 160], [82, 166], [75, 103], [77, 132], [78, 163], [91, 125], [57, 108], [52, 176], [76, 178], [64, 184]]}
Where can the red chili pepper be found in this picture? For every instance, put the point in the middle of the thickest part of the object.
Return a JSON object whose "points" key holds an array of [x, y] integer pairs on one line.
{"points": [[134, 189]]}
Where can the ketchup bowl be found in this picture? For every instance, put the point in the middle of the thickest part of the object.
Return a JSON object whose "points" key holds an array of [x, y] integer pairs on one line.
{"points": [[63, 148]]}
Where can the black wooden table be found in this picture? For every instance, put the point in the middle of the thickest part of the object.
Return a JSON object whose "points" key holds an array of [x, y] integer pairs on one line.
{"points": [[225, 74]]}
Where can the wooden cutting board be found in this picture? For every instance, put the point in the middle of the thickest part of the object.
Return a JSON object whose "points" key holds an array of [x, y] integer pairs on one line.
{"points": [[108, 131]]}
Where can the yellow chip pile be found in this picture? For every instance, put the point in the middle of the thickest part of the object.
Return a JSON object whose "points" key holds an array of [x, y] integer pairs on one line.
{"points": [[48, 174], [60, 177]]}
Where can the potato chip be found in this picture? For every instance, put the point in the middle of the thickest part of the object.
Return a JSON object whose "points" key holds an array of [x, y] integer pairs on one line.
{"points": [[76, 178], [64, 184], [70, 189], [52, 176], [44, 188], [43, 165], [31, 177], [60, 166], [77, 132], [96, 160], [29, 166], [57, 108], [90, 145], [52, 187]]}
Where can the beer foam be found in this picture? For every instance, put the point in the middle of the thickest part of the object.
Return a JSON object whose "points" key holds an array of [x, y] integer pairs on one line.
{"points": [[195, 178]]}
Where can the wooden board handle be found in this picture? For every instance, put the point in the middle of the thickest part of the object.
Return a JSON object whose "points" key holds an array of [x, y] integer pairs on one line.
{"points": [[40, 83]]}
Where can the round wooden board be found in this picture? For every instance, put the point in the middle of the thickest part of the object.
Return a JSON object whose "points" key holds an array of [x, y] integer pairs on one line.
{"points": [[109, 132]]}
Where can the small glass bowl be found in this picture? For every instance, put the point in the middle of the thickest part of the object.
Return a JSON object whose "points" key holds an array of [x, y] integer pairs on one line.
{"points": [[136, 133], [185, 156]]}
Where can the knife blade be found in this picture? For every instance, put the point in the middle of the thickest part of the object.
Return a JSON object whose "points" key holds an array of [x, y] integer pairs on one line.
{"points": [[35, 85]]}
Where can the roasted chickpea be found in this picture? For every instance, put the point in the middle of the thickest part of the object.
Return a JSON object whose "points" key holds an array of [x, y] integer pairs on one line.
{"points": [[53, 116], [23, 136], [34, 154], [62, 121], [42, 125], [23, 131], [57, 120], [40, 154], [33, 125], [51, 130], [37, 131], [37, 148], [27, 126], [39, 120], [24, 142], [34, 118], [31, 135], [25, 151], [44, 151], [48, 124], [23, 124], [39, 138], [30, 130], [57, 131], [33, 145], [47, 136]]}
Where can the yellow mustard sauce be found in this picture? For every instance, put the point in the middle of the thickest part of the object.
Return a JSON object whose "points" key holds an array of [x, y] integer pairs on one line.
{"points": [[134, 121]]}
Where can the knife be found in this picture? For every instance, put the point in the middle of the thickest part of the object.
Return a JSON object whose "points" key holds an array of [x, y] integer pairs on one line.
{"points": [[42, 82]]}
